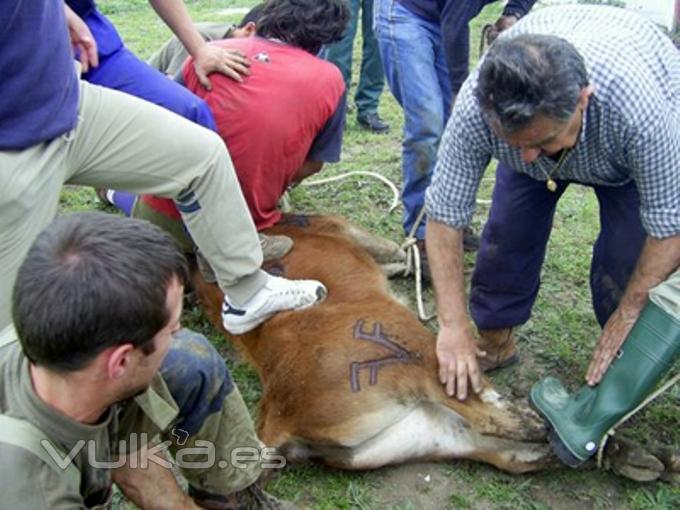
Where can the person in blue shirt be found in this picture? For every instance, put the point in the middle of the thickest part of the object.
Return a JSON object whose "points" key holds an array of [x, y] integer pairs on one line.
{"points": [[424, 45]]}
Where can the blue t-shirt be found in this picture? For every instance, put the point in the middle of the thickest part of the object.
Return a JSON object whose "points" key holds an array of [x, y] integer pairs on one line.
{"points": [[38, 84]]}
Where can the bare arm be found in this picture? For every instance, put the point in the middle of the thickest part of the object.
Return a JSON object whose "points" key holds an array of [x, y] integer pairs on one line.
{"points": [[659, 258], [153, 486], [207, 58], [456, 348]]}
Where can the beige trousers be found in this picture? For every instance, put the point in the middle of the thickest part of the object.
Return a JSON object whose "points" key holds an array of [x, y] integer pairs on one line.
{"points": [[125, 143]]}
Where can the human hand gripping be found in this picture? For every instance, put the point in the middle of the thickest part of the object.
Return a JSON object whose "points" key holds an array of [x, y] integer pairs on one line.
{"points": [[82, 40], [457, 354], [501, 24], [613, 335], [213, 59]]}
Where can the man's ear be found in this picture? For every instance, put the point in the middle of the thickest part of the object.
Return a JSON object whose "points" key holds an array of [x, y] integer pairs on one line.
{"points": [[250, 29], [584, 96], [119, 360]]}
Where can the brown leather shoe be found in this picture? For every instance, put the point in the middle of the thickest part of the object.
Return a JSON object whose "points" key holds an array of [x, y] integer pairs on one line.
{"points": [[500, 348], [252, 497]]}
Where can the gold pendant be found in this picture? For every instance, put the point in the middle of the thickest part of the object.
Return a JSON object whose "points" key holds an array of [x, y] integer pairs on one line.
{"points": [[551, 185]]}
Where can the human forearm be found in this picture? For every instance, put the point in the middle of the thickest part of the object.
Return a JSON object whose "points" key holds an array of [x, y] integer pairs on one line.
{"points": [[151, 487], [445, 255], [659, 258], [206, 58], [176, 15], [456, 349], [518, 8]]}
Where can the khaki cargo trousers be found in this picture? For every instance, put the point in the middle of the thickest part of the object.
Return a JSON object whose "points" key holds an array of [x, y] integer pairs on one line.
{"points": [[125, 143]]}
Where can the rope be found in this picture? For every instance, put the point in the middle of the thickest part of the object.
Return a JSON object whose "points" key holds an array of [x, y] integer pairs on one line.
{"points": [[390, 184], [644, 403], [413, 266], [410, 246]]}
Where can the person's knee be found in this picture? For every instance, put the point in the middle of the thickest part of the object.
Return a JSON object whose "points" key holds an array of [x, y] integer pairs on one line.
{"points": [[197, 110], [423, 153], [197, 378]]}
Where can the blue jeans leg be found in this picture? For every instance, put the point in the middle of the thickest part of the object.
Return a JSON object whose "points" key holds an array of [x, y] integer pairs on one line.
{"points": [[372, 77], [617, 248], [415, 69], [340, 52], [507, 271]]}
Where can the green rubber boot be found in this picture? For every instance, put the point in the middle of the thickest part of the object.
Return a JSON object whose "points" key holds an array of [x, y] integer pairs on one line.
{"points": [[580, 421]]}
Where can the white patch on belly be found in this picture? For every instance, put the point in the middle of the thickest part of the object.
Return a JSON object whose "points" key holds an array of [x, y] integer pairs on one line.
{"points": [[428, 431]]}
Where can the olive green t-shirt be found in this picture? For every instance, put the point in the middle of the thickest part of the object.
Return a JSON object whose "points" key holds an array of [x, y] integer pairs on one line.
{"points": [[28, 482]]}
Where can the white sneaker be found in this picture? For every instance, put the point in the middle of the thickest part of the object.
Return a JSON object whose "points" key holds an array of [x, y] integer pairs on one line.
{"points": [[277, 295]]}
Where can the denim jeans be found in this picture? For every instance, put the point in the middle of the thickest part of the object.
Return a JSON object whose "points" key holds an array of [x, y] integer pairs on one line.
{"points": [[371, 77], [416, 72]]}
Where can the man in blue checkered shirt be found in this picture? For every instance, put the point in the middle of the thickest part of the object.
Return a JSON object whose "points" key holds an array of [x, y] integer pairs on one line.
{"points": [[585, 94]]}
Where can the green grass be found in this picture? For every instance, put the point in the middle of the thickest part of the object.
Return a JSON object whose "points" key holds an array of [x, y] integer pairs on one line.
{"points": [[558, 339]]}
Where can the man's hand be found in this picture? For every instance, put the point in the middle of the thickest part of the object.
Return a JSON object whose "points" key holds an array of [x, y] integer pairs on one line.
{"points": [[659, 258], [213, 59], [502, 23], [457, 355], [84, 45], [613, 335]]}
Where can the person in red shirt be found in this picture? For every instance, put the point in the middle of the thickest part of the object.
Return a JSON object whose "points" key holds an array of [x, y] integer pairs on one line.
{"points": [[282, 122]]}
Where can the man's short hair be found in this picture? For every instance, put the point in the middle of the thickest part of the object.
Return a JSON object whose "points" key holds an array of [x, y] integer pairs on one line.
{"points": [[307, 24], [527, 75], [91, 281]]}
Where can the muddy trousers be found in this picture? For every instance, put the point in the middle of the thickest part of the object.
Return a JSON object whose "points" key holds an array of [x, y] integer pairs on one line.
{"points": [[506, 278], [125, 143], [195, 411]]}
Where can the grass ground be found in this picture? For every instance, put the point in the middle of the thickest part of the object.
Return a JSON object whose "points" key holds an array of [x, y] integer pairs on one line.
{"points": [[557, 340]]}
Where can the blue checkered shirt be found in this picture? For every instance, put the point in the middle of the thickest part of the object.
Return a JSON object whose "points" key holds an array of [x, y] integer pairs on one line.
{"points": [[631, 129]]}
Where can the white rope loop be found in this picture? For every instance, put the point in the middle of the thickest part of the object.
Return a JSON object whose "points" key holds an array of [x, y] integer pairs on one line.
{"points": [[390, 184]]}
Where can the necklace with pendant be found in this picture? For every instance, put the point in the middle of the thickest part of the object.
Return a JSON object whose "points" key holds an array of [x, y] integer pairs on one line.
{"points": [[550, 182]]}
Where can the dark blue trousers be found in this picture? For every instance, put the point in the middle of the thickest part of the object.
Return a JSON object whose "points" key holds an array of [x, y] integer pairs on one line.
{"points": [[506, 278], [120, 69]]}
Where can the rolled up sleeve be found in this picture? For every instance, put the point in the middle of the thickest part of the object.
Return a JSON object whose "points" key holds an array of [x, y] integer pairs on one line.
{"points": [[464, 154], [655, 157]]}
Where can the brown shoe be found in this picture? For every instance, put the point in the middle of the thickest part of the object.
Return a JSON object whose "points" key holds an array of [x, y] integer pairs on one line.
{"points": [[274, 247], [500, 348], [252, 497]]}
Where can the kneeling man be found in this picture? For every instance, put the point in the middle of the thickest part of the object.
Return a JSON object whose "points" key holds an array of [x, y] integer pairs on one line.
{"points": [[98, 364]]}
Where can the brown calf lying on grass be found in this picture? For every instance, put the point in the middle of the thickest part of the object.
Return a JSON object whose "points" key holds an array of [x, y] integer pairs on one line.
{"points": [[353, 382]]}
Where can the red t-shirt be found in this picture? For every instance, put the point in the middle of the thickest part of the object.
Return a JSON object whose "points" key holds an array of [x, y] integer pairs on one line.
{"points": [[270, 120]]}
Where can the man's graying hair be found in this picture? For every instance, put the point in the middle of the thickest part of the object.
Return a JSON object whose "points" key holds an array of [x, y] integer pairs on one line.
{"points": [[92, 281], [528, 75]]}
